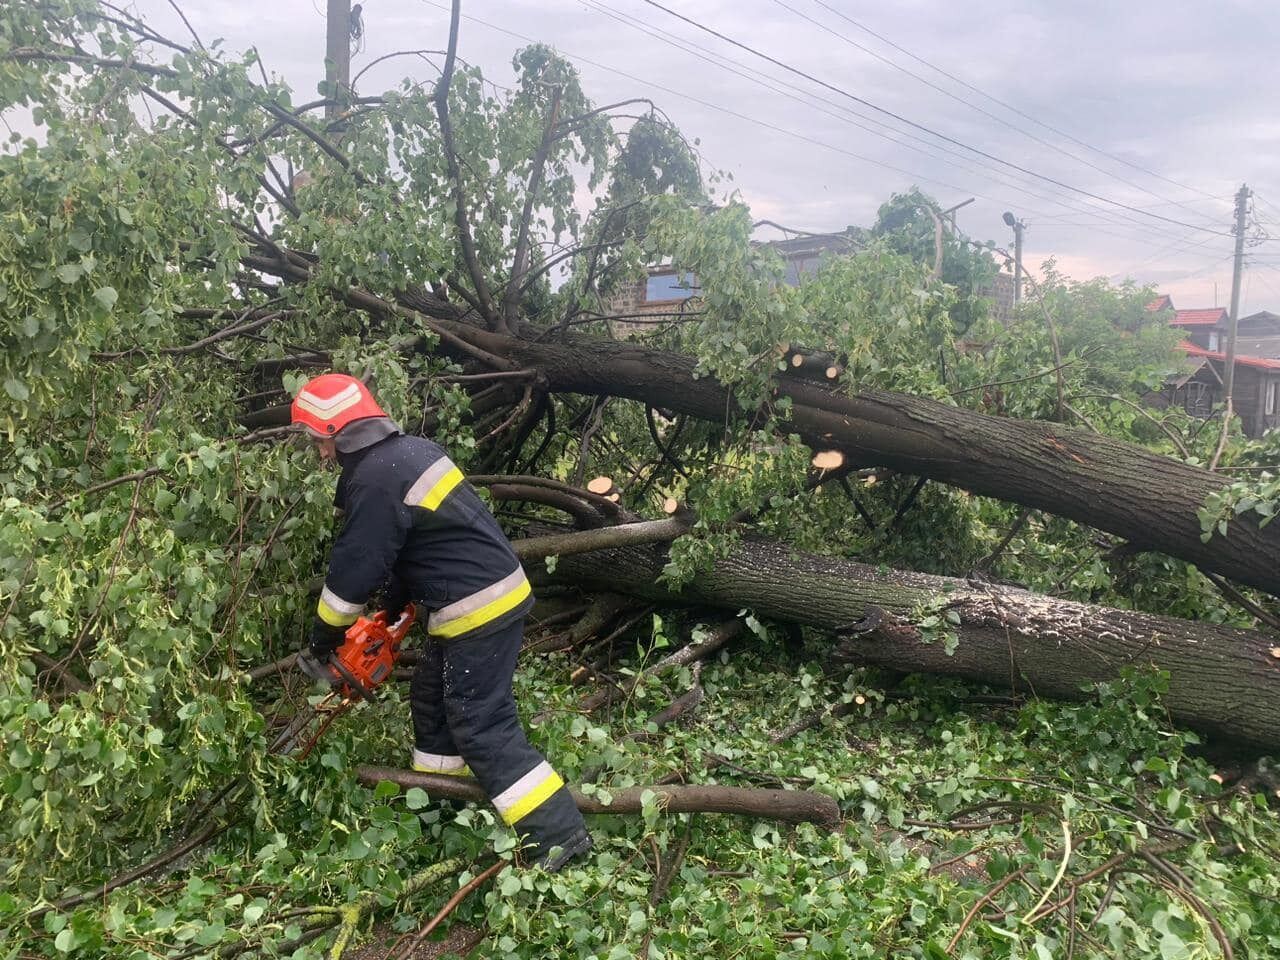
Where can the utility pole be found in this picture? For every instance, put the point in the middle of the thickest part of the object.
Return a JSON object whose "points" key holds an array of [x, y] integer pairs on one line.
{"points": [[1242, 209], [337, 56], [1018, 227]]}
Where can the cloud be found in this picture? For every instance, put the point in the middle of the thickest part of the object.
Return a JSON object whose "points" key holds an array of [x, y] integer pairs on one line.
{"points": [[1182, 90]]}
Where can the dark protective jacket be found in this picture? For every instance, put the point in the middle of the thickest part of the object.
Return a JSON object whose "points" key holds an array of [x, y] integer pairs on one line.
{"points": [[411, 516]]}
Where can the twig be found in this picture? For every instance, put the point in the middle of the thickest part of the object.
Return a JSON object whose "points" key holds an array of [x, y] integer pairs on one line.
{"points": [[987, 562], [1164, 427], [210, 830], [450, 905], [1265, 616], [106, 485], [1057, 878], [1222, 438], [982, 901]]}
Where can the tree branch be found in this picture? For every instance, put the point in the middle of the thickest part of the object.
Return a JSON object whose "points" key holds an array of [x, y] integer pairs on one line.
{"points": [[519, 263], [788, 806], [465, 240]]}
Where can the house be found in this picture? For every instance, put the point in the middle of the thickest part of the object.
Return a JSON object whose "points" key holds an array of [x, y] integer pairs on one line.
{"points": [[1256, 390], [665, 293], [1204, 328]]}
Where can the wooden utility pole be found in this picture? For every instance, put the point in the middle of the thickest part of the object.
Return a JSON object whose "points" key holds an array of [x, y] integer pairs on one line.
{"points": [[1242, 208], [337, 56], [1018, 227]]}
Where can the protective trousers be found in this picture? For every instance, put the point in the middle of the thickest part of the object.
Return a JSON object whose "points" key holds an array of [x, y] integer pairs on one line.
{"points": [[464, 720]]}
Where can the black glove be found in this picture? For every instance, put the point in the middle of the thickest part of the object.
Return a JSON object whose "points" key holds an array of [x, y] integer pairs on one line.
{"points": [[396, 598], [325, 639]]}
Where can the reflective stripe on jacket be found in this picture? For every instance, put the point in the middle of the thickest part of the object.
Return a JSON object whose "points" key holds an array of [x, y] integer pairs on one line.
{"points": [[411, 515]]}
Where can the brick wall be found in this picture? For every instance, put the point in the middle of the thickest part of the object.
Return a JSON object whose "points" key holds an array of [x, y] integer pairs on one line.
{"points": [[630, 300]]}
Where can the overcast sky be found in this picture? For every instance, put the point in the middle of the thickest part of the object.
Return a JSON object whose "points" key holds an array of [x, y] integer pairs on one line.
{"points": [[1163, 105]]}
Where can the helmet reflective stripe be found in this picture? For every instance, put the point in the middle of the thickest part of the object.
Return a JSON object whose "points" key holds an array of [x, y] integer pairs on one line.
{"points": [[331, 401], [483, 606], [450, 766], [434, 484], [528, 793], [335, 611], [328, 408]]}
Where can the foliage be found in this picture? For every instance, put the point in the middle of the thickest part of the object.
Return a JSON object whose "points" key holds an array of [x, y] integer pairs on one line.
{"points": [[153, 549]]}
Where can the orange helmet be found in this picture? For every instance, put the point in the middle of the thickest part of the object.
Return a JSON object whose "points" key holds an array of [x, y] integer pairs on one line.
{"points": [[331, 401]]}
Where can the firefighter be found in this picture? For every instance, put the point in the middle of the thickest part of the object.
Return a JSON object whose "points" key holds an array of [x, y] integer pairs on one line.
{"points": [[413, 522]]}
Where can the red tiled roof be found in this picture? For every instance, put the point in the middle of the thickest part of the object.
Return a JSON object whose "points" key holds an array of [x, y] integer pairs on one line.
{"points": [[1162, 302], [1262, 363], [1198, 318]]}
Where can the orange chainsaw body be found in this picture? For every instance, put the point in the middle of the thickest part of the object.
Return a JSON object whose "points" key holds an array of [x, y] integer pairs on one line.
{"points": [[369, 652], [364, 662]]}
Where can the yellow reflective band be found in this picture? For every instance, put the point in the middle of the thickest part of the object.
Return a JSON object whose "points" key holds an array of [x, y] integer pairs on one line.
{"points": [[535, 798], [490, 611], [435, 496], [333, 617]]}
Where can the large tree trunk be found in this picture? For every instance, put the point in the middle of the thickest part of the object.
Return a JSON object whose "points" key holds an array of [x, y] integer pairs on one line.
{"points": [[1150, 500], [1222, 680]]}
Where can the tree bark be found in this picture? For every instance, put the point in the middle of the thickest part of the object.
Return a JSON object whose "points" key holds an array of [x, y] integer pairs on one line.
{"points": [[788, 806], [1150, 500], [1221, 679]]}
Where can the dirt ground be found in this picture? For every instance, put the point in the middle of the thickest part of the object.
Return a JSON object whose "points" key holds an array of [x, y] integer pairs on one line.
{"points": [[460, 940]]}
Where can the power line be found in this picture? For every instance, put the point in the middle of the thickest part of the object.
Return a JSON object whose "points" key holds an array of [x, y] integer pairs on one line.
{"points": [[919, 126], [914, 175], [1008, 106], [973, 106], [707, 55], [806, 97]]}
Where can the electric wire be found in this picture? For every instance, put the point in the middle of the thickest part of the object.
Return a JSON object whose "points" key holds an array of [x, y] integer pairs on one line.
{"points": [[827, 108], [767, 82], [973, 106], [727, 111], [1008, 106], [922, 127]]}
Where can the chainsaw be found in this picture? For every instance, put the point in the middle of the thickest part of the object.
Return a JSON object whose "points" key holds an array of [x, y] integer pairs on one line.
{"points": [[365, 659]]}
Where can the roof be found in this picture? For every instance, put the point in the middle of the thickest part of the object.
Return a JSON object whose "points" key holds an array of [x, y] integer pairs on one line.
{"points": [[1162, 302], [1199, 318], [1262, 363]]}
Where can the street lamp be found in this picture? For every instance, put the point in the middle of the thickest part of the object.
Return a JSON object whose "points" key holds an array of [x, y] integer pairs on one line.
{"points": [[1018, 227]]}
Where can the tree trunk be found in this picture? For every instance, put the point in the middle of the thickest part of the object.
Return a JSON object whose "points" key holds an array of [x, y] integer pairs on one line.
{"points": [[1222, 680], [1150, 500]]}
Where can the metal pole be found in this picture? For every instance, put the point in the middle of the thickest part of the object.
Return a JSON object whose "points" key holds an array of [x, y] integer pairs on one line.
{"points": [[337, 56], [1017, 262], [1242, 209]]}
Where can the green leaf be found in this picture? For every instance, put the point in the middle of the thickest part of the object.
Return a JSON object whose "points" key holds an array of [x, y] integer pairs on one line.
{"points": [[210, 934], [415, 798], [510, 885], [66, 940], [106, 296], [69, 272], [16, 389]]}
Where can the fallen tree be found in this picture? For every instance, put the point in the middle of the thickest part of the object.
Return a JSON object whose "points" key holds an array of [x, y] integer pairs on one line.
{"points": [[1222, 680], [1150, 500]]}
